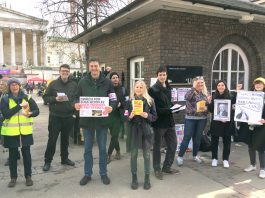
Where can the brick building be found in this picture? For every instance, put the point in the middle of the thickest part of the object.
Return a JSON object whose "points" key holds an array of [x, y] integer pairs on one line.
{"points": [[224, 39]]}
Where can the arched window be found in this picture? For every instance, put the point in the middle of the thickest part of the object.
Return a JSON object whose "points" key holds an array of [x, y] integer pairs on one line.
{"points": [[136, 70], [231, 65]]}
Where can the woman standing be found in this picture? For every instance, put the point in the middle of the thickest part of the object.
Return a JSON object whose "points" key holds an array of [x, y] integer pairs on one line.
{"points": [[197, 100], [254, 135], [18, 110], [141, 131], [221, 128]]}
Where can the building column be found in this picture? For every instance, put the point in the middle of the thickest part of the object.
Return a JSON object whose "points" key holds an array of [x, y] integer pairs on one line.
{"points": [[2, 60], [35, 51], [24, 48], [44, 49], [13, 47]]}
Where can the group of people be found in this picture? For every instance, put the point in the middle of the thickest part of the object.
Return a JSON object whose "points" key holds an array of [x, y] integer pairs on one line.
{"points": [[147, 129]]}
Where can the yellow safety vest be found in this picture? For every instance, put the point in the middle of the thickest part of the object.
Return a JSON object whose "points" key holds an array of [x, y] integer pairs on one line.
{"points": [[18, 124]]}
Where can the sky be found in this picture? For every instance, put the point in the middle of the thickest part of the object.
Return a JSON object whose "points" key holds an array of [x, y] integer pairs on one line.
{"points": [[29, 7]]}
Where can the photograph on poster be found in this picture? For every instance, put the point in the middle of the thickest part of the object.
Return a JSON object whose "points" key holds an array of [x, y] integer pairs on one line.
{"points": [[249, 106], [222, 109]]}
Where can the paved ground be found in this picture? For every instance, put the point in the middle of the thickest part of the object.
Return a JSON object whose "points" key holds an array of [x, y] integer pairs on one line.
{"points": [[195, 180]]}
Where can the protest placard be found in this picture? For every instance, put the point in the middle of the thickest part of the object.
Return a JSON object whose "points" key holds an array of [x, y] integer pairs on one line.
{"points": [[181, 93], [180, 135], [222, 110], [249, 106], [137, 107], [93, 106]]}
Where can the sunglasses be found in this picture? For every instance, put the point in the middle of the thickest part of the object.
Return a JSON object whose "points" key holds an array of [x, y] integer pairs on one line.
{"points": [[199, 78]]}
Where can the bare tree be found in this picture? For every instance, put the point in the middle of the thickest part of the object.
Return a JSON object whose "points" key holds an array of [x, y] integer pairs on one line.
{"points": [[70, 17]]}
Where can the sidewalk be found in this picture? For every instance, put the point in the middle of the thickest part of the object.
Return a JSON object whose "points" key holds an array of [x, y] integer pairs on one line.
{"points": [[195, 180]]}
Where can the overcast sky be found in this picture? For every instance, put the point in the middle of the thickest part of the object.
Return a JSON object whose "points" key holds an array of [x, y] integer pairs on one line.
{"points": [[29, 7]]}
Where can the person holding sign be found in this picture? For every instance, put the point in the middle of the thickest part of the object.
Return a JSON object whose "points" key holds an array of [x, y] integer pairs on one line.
{"points": [[254, 135], [18, 110], [197, 100], [60, 97], [141, 112], [94, 84], [219, 127], [164, 126]]}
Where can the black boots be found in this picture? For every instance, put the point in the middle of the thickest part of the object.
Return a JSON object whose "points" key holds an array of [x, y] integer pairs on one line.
{"points": [[147, 184], [134, 185]]}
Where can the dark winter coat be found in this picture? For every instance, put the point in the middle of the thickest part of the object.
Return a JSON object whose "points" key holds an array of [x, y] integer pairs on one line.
{"points": [[20, 140], [139, 128], [100, 87], [162, 98], [219, 128], [65, 108]]}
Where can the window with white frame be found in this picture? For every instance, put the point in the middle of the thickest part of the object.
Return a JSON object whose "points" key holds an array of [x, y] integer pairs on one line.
{"points": [[136, 70], [231, 65]]}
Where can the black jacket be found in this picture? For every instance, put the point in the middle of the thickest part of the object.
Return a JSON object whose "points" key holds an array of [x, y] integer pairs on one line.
{"points": [[101, 87], [65, 108], [162, 98]]}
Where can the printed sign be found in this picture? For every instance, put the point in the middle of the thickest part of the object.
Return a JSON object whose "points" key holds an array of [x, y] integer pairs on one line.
{"points": [[249, 106], [137, 107], [181, 93], [180, 135], [93, 106]]}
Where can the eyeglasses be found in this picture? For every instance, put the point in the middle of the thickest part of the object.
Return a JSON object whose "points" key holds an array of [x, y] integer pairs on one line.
{"points": [[67, 71]]}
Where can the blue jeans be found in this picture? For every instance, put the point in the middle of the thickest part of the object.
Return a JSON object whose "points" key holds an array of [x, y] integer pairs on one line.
{"points": [[192, 129], [101, 134]]}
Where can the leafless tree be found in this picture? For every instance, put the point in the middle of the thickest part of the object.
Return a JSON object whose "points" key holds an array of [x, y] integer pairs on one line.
{"points": [[70, 17]]}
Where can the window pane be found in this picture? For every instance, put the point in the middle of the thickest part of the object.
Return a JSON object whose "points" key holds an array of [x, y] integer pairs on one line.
{"points": [[142, 69], [233, 81], [215, 79], [241, 77], [224, 60], [216, 65], [241, 64], [224, 76], [234, 60], [137, 70]]}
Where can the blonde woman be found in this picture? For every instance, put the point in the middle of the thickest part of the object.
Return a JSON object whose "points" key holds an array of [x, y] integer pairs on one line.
{"points": [[197, 100], [140, 130]]}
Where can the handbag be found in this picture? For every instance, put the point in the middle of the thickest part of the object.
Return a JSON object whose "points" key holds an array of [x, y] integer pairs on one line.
{"points": [[205, 145]]}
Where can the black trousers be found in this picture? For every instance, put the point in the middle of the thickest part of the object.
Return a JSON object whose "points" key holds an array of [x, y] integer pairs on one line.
{"points": [[115, 128], [252, 157], [13, 152], [226, 147], [169, 135], [56, 126]]}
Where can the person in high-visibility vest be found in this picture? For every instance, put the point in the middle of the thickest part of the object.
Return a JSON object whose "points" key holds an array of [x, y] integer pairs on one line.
{"points": [[18, 110]]}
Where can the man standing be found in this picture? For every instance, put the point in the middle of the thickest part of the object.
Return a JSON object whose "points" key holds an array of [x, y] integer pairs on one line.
{"points": [[95, 85], [164, 126], [117, 116], [60, 95]]}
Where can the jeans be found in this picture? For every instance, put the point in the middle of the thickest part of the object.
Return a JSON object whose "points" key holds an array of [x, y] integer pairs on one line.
{"points": [[56, 126], [134, 155], [169, 135], [13, 152], [252, 156], [226, 147], [192, 129], [101, 135]]}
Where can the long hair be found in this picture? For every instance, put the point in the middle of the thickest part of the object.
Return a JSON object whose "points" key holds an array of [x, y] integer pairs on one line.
{"points": [[204, 90], [145, 93], [226, 93]]}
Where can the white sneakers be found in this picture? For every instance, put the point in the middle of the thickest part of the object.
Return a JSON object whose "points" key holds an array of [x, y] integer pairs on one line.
{"points": [[250, 168], [214, 162], [226, 164], [197, 159], [180, 161], [262, 174]]}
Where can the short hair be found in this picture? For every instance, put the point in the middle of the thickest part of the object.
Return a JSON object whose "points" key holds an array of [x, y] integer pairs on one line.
{"points": [[65, 66], [161, 69], [93, 59]]}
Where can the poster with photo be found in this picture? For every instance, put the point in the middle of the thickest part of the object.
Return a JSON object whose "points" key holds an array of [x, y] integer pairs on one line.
{"points": [[180, 135], [249, 106], [181, 93], [222, 110], [93, 106]]}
